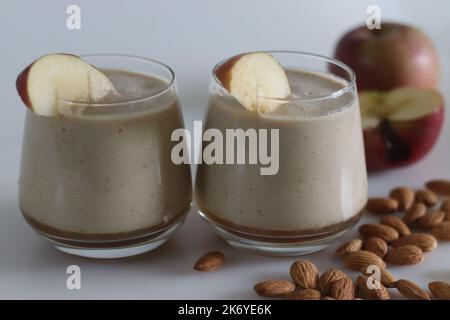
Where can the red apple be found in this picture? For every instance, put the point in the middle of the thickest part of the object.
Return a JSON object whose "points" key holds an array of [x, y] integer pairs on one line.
{"points": [[394, 56], [60, 76], [400, 126]]}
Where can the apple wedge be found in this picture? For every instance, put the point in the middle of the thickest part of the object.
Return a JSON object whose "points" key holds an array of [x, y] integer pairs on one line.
{"points": [[60, 76], [256, 80], [400, 126]]}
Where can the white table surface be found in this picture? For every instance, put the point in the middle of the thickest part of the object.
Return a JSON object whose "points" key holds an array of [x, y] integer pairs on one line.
{"points": [[191, 37]]}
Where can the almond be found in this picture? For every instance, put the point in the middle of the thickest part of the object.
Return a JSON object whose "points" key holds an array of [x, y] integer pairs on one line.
{"points": [[404, 255], [427, 197], [442, 231], [424, 241], [327, 278], [357, 260], [440, 290], [397, 224], [304, 294], [382, 205], [343, 289], [386, 278], [439, 186], [210, 261], [411, 290], [404, 197], [382, 231], [376, 245], [274, 288], [417, 211], [328, 298], [371, 293], [349, 246], [431, 219], [305, 274]]}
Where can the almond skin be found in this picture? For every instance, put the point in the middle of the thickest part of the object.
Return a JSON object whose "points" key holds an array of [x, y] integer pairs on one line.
{"points": [[427, 197], [349, 246], [274, 288], [210, 261], [397, 224], [357, 260], [304, 294], [404, 197], [386, 278], [440, 290], [411, 290], [382, 231], [442, 231], [382, 205], [343, 289], [424, 241], [431, 219], [305, 274], [404, 255], [327, 278], [372, 294], [439, 186], [376, 245], [417, 211]]}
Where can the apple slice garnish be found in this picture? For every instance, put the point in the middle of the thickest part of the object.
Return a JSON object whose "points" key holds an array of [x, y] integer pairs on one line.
{"points": [[400, 126], [60, 76], [256, 80], [403, 104]]}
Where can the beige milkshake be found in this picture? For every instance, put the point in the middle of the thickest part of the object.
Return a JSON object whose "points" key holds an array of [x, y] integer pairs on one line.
{"points": [[101, 176], [321, 186]]}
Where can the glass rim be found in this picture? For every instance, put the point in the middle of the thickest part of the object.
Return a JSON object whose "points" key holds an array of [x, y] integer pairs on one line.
{"points": [[349, 85], [143, 98]]}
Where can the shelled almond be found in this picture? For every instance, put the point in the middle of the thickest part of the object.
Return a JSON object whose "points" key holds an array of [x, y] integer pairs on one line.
{"points": [[397, 224], [424, 241], [411, 290], [404, 196], [382, 205], [404, 255], [417, 211], [427, 197], [439, 186], [431, 219]]}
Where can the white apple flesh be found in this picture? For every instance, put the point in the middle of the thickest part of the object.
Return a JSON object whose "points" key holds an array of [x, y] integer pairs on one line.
{"points": [[256, 80], [400, 126], [54, 77]]}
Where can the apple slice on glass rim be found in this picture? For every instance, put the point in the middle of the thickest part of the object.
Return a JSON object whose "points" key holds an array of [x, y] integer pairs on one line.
{"points": [[256, 80], [400, 126], [60, 76]]}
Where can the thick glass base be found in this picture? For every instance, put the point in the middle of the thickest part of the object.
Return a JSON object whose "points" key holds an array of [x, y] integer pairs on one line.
{"points": [[112, 250], [279, 246]]}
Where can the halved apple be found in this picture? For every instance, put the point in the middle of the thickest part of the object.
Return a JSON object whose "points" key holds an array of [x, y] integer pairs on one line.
{"points": [[400, 126], [60, 76], [256, 80]]}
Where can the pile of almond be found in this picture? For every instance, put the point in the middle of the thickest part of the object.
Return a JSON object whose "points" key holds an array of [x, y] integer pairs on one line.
{"points": [[425, 211], [394, 240], [307, 284]]}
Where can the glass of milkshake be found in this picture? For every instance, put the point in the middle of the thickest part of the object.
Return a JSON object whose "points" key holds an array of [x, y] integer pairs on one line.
{"points": [[96, 177], [319, 188]]}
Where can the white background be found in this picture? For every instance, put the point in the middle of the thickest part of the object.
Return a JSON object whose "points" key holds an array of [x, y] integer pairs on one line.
{"points": [[190, 36]]}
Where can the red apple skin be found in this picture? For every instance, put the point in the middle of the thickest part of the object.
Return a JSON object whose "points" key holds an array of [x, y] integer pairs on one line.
{"points": [[21, 86], [394, 56], [394, 144]]}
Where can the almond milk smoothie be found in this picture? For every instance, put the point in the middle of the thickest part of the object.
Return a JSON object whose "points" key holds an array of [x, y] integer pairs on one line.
{"points": [[101, 177], [321, 186]]}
